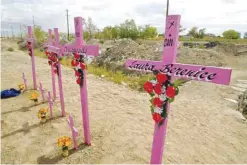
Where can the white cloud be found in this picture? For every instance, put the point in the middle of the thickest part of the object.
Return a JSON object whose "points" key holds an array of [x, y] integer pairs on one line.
{"points": [[214, 15]]}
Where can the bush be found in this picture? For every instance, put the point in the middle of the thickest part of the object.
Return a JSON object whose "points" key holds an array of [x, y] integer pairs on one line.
{"points": [[10, 49]]}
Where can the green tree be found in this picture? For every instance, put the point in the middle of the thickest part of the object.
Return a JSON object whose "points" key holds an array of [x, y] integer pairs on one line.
{"points": [[181, 29], [150, 32], [39, 34], [194, 32], [90, 27], [128, 29], [231, 34], [245, 35]]}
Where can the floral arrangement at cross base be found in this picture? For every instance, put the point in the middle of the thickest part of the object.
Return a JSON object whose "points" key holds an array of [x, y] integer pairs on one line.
{"points": [[42, 114], [64, 142], [34, 97], [21, 87], [161, 91]]}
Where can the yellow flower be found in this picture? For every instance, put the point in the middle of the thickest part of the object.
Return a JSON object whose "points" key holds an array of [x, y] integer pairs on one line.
{"points": [[34, 96], [42, 112], [21, 86], [64, 141]]}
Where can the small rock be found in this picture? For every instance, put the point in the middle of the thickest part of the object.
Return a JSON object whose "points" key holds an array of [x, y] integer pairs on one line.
{"points": [[102, 76]]}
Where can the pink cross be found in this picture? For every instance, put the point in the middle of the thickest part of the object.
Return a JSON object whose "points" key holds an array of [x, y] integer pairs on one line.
{"points": [[24, 80], [50, 102], [169, 66], [92, 50], [56, 49], [42, 91], [52, 70], [73, 130], [31, 39]]}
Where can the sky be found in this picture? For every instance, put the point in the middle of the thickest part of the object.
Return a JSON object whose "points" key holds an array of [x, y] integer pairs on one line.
{"points": [[214, 15]]}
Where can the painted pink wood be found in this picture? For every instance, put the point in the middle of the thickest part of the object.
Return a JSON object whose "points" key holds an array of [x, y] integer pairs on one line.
{"points": [[30, 38], [49, 42], [60, 84], [171, 38], [24, 80], [73, 130], [187, 71], [87, 49], [169, 66], [42, 91], [83, 89], [54, 49], [50, 102]]}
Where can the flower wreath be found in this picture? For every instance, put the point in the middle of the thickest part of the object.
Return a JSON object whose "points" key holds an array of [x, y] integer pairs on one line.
{"points": [[29, 47], [79, 66], [52, 60], [161, 91]]}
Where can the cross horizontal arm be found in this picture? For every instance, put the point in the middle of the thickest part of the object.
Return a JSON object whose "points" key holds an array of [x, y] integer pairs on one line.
{"points": [[196, 72], [87, 49], [53, 49]]}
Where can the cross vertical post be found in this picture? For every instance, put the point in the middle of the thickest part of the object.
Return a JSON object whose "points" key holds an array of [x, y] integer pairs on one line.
{"points": [[24, 80], [50, 102], [30, 38], [73, 130], [60, 84], [42, 91]]}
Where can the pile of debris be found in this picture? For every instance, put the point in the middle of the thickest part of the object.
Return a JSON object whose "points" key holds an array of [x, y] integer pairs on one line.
{"points": [[242, 104]]}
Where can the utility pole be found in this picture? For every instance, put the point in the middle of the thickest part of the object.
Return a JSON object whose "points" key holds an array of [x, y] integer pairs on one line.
{"points": [[12, 31], [21, 31], [33, 23], [167, 7], [67, 14]]}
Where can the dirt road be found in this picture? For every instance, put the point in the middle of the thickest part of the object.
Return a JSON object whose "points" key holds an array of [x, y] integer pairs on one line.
{"points": [[202, 127]]}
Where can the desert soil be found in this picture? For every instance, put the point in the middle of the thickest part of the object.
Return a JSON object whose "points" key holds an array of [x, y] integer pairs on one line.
{"points": [[202, 127]]}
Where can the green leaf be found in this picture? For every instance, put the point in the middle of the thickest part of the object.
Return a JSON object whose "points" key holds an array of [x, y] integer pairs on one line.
{"points": [[171, 100], [177, 90], [152, 94], [179, 82], [152, 109], [151, 101]]}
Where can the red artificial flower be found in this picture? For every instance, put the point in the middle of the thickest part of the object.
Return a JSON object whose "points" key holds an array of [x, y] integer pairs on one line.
{"points": [[78, 81], [157, 102], [157, 117], [148, 86], [161, 78], [46, 52], [49, 62], [55, 65], [74, 63], [158, 88], [170, 91], [55, 71], [83, 66], [77, 73], [76, 55]]}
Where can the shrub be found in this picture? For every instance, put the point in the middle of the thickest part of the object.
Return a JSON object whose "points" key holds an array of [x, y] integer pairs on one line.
{"points": [[10, 49]]}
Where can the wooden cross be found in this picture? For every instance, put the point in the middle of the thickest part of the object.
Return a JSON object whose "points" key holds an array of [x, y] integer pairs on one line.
{"points": [[52, 68], [42, 91], [87, 50], [169, 66], [73, 130], [50, 102], [24, 80], [56, 49], [30, 40]]}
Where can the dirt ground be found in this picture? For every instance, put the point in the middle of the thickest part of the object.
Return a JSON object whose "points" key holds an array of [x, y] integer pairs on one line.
{"points": [[202, 128]]}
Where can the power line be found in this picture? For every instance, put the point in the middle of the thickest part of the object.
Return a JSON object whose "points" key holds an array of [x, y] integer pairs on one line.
{"points": [[67, 14], [12, 32]]}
